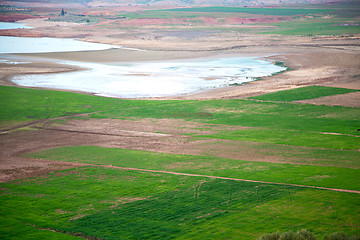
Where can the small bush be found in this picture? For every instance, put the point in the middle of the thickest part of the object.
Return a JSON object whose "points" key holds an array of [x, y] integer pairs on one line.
{"points": [[306, 235], [271, 236], [290, 235], [341, 236]]}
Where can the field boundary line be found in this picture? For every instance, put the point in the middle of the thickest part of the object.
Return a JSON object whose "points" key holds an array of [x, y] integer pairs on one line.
{"points": [[228, 178]]}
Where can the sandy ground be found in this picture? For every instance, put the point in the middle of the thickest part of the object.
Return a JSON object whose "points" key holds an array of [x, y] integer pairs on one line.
{"points": [[331, 61]]}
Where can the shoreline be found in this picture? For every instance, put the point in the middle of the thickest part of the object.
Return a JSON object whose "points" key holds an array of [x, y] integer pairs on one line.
{"points": [[324, 66], [43, 64]]}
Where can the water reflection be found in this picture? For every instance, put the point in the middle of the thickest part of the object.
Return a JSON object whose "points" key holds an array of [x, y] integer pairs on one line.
{"points": [[41, 45]]}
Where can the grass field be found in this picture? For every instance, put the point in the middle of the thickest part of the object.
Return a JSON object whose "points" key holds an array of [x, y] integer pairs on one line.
{"points": [[315, 26], [109, 203], [303, 93], [117, 204]]}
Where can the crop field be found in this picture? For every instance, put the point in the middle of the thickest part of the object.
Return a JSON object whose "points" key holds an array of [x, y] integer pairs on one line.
{"points": [[120, 193], [334, 20], [120, 204]]}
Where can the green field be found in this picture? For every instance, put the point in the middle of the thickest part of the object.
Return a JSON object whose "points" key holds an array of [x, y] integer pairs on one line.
{"points": [[102, 202], [315, 26], [303, 93], [117, 204], [279, 11]]}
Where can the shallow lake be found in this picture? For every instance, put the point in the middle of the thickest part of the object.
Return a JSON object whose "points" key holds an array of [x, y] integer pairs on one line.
{"points": [[12, 25], [41, 45], [137, 79]]}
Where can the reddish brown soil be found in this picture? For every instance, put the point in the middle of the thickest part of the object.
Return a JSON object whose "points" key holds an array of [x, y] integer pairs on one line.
{"points": [[14, 17], [21, 33]]}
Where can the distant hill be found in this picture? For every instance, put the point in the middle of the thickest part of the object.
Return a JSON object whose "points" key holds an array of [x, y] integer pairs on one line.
{"points": [[165, 2], [220, 2], [214, 2]]}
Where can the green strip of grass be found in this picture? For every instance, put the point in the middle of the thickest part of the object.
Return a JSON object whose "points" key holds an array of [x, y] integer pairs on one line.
{"points": [[307, 156], [117, 204], [289, 122], [271, 172], [291, 137], [262, 11], [303, 93], [313, 27]]}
